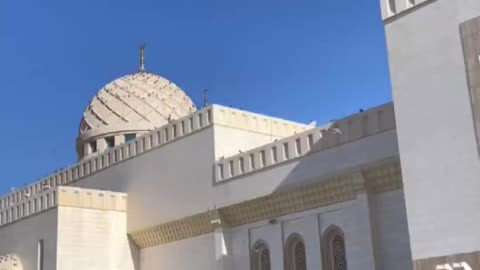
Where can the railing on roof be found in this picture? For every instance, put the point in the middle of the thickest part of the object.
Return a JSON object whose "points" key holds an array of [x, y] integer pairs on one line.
{"points": [[375, 120], [177, 129], [27, 206], [159, 137], [347, 130], [65, 196]]}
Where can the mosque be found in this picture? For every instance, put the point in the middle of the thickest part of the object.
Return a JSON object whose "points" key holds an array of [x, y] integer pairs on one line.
{"points": [[162, 184]]}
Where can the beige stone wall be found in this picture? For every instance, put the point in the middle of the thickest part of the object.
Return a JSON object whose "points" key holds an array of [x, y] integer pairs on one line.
{"points": [[93, 239], [80, 229], [21, 238]]}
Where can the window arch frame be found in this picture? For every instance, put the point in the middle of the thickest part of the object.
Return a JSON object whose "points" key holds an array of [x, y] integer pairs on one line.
{"points": [[259, 247], [328, 236], [290, 257]]}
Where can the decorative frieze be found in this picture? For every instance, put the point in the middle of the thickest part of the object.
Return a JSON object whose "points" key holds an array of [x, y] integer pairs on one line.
{"points": [[173, 231], [381, 178], [327, 192]]}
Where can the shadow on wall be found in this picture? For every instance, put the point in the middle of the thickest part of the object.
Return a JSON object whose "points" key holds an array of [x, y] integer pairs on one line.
{"points": [[319, 153], [135, 253]]}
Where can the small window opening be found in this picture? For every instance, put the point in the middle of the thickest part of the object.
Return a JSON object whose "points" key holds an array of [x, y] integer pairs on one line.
{"points": [[252, 161], [110, 142], [130, 137], [220, 171], [298, 147], [200, 120], [392, 7], [286, 154], [241, 165], [40, 254], [230, 165], [262, 158], [310, 142], [209, 116], [93, 146], [274, 154], [166, 134]]}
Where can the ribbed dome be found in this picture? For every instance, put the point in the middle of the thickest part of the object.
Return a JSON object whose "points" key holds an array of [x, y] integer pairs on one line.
{"points": [[138, 101], [132, 104], [10, 262]]}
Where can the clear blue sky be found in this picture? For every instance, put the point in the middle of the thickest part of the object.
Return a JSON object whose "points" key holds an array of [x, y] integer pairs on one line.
{"points": [[299, 60]]}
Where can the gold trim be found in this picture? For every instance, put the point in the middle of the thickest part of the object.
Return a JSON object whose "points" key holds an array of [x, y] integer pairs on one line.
{"points": [[283, 203], [173, 231], [381, 178]]}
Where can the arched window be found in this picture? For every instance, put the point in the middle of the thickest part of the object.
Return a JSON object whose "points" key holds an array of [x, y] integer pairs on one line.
{"points": [[334, 256], [295, 257], [260, 256]]}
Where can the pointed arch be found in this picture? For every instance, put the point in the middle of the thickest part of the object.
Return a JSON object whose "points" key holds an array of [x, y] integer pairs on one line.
{"points": [[333, 247], [295, 255], [260, 256]]}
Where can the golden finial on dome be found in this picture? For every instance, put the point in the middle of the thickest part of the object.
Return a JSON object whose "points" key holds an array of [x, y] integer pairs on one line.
{"points": [[142, 57]]}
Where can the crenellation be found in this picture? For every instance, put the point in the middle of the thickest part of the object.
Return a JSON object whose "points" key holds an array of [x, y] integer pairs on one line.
{"points": [[27, 206], [263, 157], [192, 123], [392, 8], [255, 122], [350, 129], [62, 196]]}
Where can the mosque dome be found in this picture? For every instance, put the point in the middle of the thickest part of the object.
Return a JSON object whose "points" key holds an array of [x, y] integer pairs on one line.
{"points": [[10, 262], [127, 107]]}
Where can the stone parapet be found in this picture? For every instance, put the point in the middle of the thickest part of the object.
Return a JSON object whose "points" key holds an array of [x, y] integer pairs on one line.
{"points": [[392, 9], [350, 129], [62, 196], [166, 134]]}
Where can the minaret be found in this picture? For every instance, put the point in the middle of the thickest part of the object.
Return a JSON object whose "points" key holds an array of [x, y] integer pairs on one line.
{"points": [[433, 48], [142, 58]]}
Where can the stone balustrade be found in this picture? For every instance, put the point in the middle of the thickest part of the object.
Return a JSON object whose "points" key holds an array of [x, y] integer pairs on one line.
{"points": [[166, 134], [347, 130], [159, 137], [31, 204], [392, 9]]}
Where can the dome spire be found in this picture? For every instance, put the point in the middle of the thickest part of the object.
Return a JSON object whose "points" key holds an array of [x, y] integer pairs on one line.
{"points": [[142, 57]]}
